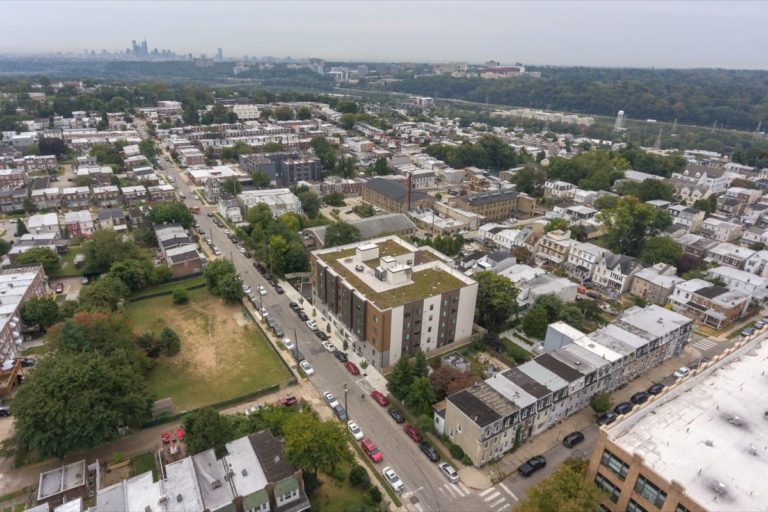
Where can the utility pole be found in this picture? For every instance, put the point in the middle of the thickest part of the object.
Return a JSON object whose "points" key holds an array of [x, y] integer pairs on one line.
{"points": [[346, 407]]}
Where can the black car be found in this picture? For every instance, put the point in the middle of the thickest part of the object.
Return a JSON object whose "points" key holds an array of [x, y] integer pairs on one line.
{"points": [[302, 315], [396, 415], [623, 408], [532, 465], [656, 389], [26, 362], [261, 268], [429, 451], [268, 277], [606, 418], [573, 439], [320, 334], [639, 398], [294, 306], [297, 355], [341, 356], [279, 289], [340, 412]]}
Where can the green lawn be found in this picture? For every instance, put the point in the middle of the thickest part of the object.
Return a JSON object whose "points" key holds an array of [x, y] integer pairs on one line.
{"points": [[68, 268], [169, 287], [143, 463], [335, 496], [223, 353]]}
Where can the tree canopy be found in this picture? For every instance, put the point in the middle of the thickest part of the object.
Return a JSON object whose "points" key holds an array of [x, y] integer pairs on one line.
{"points": [[172, 211], [630, 222], [341, 233], [496, 299], [565, 490], [490, 152], [43, 255], [591, 170], [660, 249]]}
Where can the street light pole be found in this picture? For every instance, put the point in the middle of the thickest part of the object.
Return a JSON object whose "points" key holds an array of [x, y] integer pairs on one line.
{"points": [[346, 407]]}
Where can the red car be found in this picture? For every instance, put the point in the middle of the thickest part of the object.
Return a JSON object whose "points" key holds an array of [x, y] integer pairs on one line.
{"points": [[352, 368], [288, 400], [371, 450], [380, 399], [412, 433], [180, 434], [166, 437]]}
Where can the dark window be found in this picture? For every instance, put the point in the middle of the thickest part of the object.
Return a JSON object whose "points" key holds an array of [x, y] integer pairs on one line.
{"points": [[634, 507], [615, 464], [613, 491], [680, 508], [650, 492]]}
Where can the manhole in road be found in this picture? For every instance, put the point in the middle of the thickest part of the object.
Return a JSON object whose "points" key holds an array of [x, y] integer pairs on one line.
{"points": [[414, 500]]}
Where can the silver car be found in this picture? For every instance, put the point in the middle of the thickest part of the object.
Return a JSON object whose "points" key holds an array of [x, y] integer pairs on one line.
{"points": [[393, 480]]}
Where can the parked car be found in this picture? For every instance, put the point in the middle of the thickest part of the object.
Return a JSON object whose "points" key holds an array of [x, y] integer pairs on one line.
{"points": [[449, 472], [532, 465], [759, 324], [351, 368], [59, 288], [320, 334], [302, 315], [623, 408], [371, 450], [180, 434], [294, 306], [573, 439], [682, 372], [341, 356], [429, 451], [379, 398], [278, 330], [252, 410], [327, 345], [393, 480], [340, 412], [297, 355], [261, 290], [308, 370], [749, 331], [263, 312], [5, 410], [289, 400], [246, 288], [355, 430], [312, 325], [606, 418], [289, 344], [640, 397], [84, 280], [279, 289], [26, 362], [411, 432], [656, 389], [396, 415]]}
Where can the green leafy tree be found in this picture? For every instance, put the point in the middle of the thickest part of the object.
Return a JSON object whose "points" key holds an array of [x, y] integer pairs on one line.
{"points": [[230, 289], [271, 147], [757, 246], [231, 186], [630, 222], [334, 199], [283, 114], [21, 228], [106, 293], [535, 322], [180, 295], [380, 167], [530, 180], [304, 113], [74, 402], [401, 377], [147, 148], [136, 274], [421, 396], [555, 224], [325, 152], [420, 365], [68, 308], [708, 205], [662, 249], [601, 402], [593, 170], [42, 255], [310, 203], [341, 233], [346, 166], [105, 248], [565, 490], [43, 311], [170, 341], [204, 429], [358, 477], [496, 299], [172, 211], [605, 202], [260, 179], [364, 210], [314, 446]]}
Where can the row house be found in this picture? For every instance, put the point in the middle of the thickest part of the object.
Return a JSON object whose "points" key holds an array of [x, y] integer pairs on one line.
{"points": [[161, 193], [12, 178], [7, 204], [134, 195], [79, 224], [720, 230], [729, 254], [112, 218], [99, 174], [742, 281], [45, 198], [655, 284], [107, 196], [132, 162], [695, 245], [714, 179], [491, 418], [753, 214], [752, 235], [688, 192], [614, 273], [559, 190], [553, 248], [44, 223], [75, 197], [688, 217], [714, 306], [582, 260], [574, 213], [30, 163]]}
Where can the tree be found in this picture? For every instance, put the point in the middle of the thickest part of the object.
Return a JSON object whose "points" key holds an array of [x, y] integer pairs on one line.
{"points": [[204, 429], [103, 294], [346, 166], [304, 113], [630, 222], [605, 202], [334, 199], [42, 255], [709, 205], [364, 210], [401, 377], [260, 179], [147, 148], [136, 274], [180, 295], [565, 490], [21, 228], [231, 186], [530, 180], [535, 322], [230, 289], [150, 344], [283, 114], [172, 211], [325, 152], [216, 273], [447, 380], [380, 167], [661, 249], [420, 365], [757, 246], [310, 203], [43, 311], [74, 402], [341, 233], [170, 341], [496, 299], [271, 147], [105, 248], [555, 224], [600, 402], [313, 445], [358, 477], [420, 396]]}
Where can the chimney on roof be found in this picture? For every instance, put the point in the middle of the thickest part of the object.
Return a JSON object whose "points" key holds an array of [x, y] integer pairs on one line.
{"points": [[408, 185]]}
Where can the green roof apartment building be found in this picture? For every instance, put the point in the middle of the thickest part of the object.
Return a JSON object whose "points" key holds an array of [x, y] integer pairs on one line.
{"points": [[389, 298]]}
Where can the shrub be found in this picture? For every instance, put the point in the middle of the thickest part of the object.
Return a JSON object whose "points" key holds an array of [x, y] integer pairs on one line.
{"points": [[601, 402], [519, 354], [180, 295], [170, 341], [457, 452], [374, 494], [311, 482], [359, 477]]}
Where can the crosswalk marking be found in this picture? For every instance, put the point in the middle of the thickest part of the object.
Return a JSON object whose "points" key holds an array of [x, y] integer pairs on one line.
{"points": [[498, 502], [453, 491], [492, 497], [508, 491], [487, 491], [463, 488], [705, 344]]}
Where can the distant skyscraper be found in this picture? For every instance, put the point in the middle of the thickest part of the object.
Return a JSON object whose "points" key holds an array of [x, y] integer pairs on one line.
{"points": [[219, 54], [619, 125]]}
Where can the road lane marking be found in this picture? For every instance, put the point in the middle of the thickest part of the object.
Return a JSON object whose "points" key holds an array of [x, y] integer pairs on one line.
{"points": [[463, 488], [508, 491], [498, 502], [492, 497], [487, 491]]}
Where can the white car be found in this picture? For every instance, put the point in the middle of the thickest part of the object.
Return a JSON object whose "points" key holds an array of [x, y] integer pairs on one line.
{"points": [[332, 402], [261, 290], [246, 288], [312, 325], [682, 372], [308, 370], [393, 480], [226, 231], [252, 410], [263, 312], [449, 472], [356, 431], [288, 344], [327, 345]]}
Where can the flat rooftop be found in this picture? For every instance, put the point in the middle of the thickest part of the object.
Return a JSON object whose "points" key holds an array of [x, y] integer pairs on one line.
{"points": [[430, 276], [710, 433]]}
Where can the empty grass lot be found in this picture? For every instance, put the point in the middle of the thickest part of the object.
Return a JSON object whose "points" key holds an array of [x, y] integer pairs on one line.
{"points": [[223, 353]]}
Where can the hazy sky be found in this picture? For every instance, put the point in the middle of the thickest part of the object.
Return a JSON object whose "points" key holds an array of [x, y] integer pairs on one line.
{"points": [[648, 34]]}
